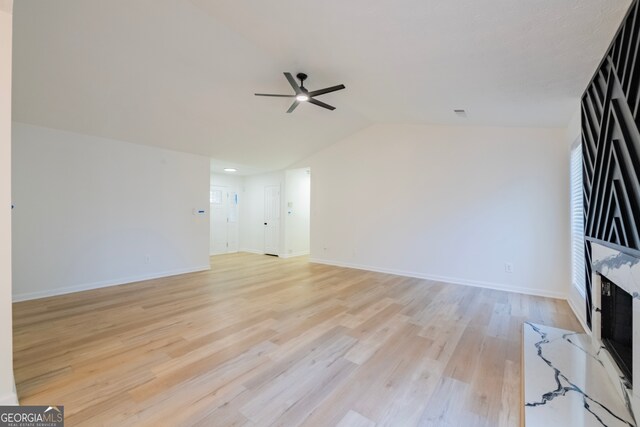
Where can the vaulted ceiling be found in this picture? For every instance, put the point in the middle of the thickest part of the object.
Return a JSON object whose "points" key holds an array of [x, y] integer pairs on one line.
{"points": [[181, 74]]}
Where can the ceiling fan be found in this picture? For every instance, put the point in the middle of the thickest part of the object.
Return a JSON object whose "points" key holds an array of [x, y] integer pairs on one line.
{"points": [[302, 94]]}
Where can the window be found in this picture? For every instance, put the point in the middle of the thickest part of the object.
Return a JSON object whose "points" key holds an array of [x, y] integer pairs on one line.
{"points": [[215, 197], [577, 220]]}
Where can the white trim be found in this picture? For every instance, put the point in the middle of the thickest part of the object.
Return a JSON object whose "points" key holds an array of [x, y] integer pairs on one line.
{"points": [[295, 254], [581, 319], [105, 284], [453, 280]]}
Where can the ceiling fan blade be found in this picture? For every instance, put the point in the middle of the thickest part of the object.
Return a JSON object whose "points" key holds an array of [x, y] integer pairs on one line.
{"points": [[326, 90], [293, 106], [293, 83], [321, 104], [272, 94]]}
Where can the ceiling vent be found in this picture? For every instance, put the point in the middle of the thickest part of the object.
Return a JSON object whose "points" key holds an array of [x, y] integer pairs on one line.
{"points": [[460, 113]]}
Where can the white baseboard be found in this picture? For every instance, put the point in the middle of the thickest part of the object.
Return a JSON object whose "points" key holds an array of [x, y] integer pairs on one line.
{"points": [[579, 315], [9, 399], [295, 254], [252, 251], [104, 284], [453, 280], [223, 253]]}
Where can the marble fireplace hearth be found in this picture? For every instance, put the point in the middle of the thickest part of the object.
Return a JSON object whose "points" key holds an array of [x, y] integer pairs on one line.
{"points": [[571, 379], [566, 383], [624, 271]]}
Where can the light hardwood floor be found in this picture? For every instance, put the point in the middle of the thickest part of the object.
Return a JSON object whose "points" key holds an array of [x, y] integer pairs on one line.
{"points": [[260, 340]]}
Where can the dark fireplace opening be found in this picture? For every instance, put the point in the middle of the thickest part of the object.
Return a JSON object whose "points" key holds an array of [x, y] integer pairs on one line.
{"points": [[617, 325]]}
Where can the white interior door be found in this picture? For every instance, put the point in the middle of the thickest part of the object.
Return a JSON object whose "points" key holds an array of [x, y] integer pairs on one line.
{"points": [[219, 232], [224, 220], [271, 219], [232, 224]]}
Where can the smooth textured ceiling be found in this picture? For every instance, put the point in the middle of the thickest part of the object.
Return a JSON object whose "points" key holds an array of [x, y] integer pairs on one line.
{"points": [[181, 74]]}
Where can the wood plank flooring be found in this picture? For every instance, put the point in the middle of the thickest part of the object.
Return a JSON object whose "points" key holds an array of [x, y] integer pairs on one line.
{"points": [[266, 341]]}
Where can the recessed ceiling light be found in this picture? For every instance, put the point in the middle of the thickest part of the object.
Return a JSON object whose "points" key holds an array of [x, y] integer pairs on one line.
{"points": [[230, 170], [302, 98]]}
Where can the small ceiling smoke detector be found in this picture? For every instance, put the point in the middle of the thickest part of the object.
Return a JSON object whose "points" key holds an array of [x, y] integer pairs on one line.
{"points": [[460, 113], [230, 170]]}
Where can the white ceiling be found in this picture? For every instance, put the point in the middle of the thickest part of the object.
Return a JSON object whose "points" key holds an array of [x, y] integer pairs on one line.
{"points": [[242, 169], [181, 74]]}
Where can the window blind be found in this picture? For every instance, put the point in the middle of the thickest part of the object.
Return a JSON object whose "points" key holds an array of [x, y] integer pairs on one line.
{"points": [[577, 221]]}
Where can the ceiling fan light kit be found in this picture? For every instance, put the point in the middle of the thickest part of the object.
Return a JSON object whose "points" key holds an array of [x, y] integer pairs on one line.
{"points": [[302, 94]]}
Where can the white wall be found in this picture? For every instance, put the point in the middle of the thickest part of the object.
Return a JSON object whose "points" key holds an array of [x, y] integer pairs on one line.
{"points": [[7, 390], [224, 180], [252, 212], [90, 210], [297, 212], [446, 203]]}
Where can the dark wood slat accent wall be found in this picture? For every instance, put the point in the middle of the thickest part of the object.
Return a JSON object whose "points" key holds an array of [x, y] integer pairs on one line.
{"points": [[611, 148]]}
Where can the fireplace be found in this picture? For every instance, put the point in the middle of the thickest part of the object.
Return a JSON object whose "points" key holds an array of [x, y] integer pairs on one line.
{"points": [[615, 316], [617, 325]]}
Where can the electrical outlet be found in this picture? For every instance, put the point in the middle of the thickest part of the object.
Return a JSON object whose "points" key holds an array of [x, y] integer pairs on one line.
{"points": [[508, 267], [147, 259]]}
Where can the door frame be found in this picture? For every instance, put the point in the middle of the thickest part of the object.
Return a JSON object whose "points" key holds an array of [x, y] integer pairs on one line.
{"points": [[276, 222]]}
